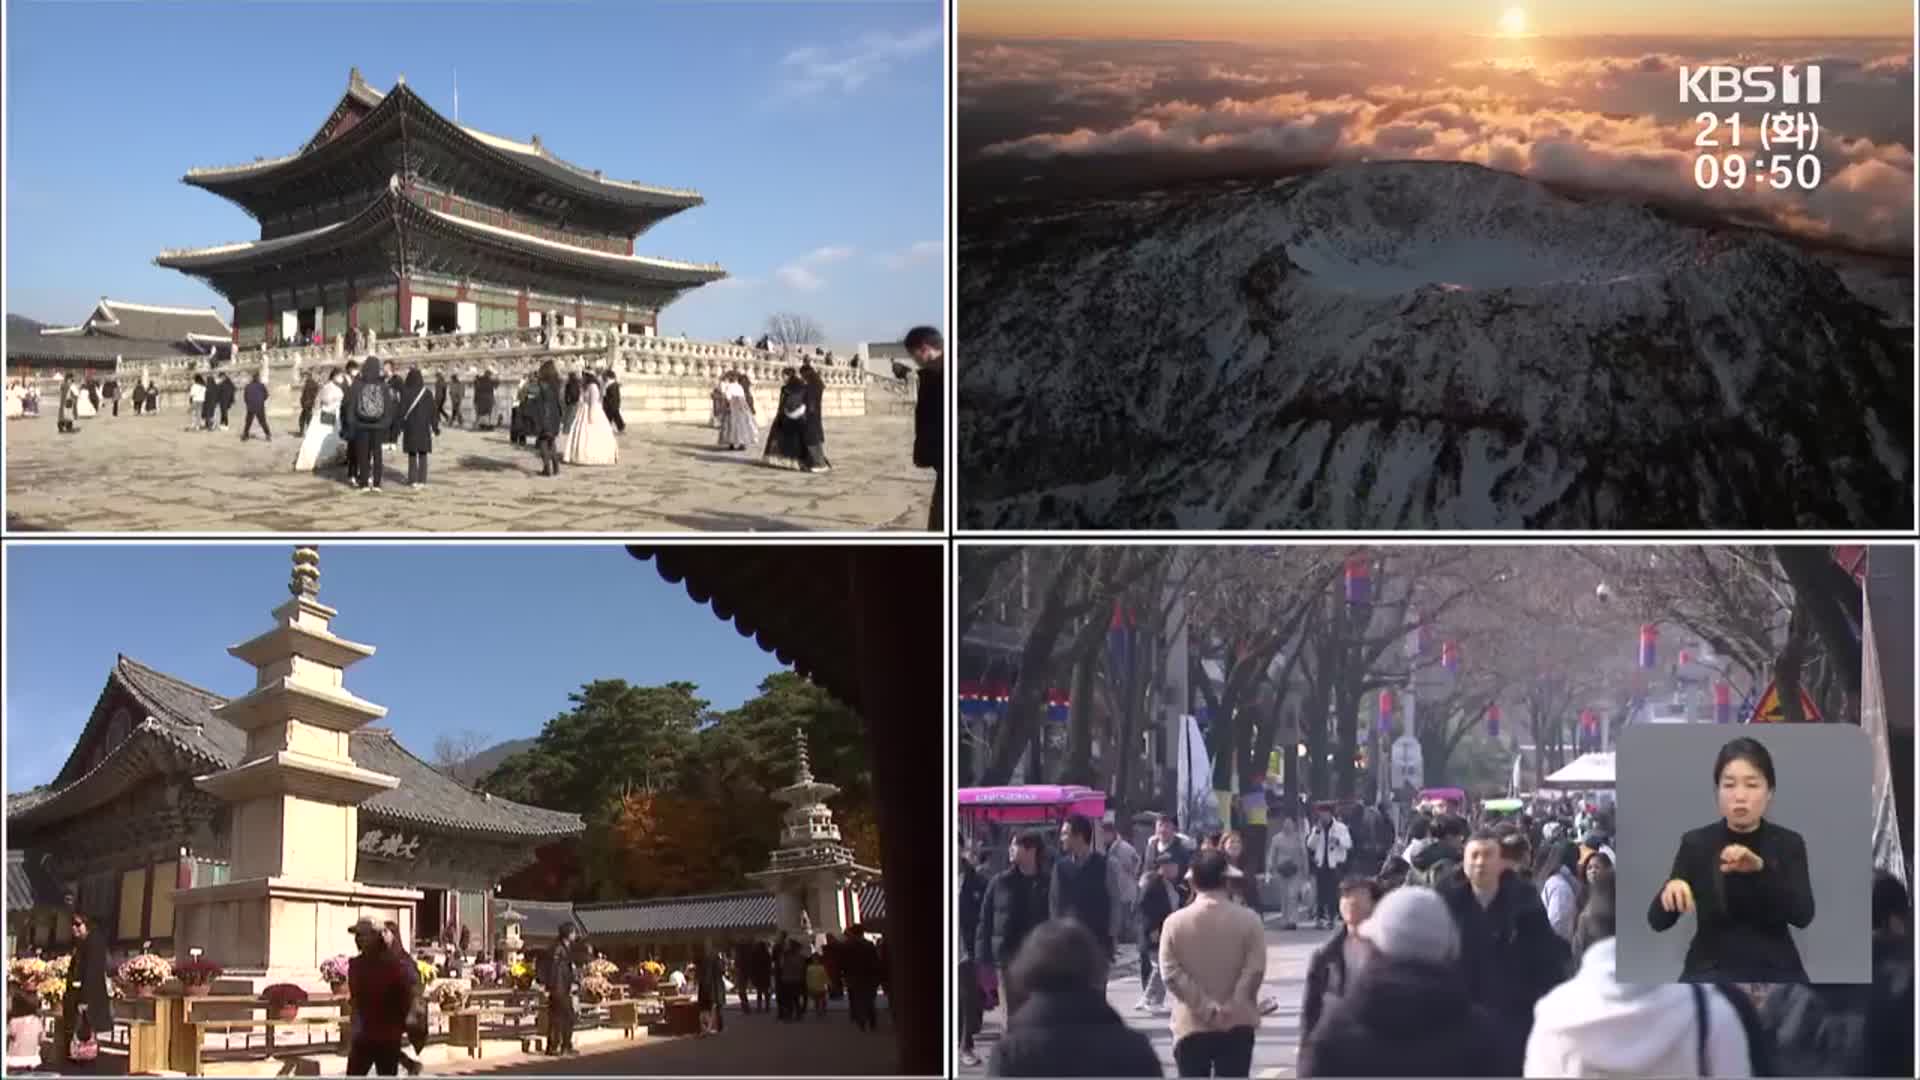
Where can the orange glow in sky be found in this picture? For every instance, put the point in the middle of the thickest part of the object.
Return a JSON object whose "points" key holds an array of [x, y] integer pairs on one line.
{"points": [[1267, 20]]}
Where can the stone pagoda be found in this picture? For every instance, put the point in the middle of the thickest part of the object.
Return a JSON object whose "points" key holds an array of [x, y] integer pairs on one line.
{"points": [[292, 900], [813, 872]]}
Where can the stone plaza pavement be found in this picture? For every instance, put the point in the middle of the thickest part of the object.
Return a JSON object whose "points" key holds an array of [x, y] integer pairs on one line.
{"points": [[1276, 1044], [148, 474]]}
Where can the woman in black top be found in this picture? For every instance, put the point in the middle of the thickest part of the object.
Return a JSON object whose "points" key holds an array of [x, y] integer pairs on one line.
{"points": [[1745, 879]]}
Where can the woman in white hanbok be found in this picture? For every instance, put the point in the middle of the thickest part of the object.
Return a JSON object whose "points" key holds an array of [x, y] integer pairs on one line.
{"points": [[588, 439], [321, 445], [16, 400]]}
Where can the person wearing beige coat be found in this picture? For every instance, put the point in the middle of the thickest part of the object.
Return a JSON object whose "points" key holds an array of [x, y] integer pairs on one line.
{"points": [[1213, 955]]}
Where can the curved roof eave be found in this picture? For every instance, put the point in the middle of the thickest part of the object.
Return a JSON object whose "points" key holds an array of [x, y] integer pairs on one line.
{"points": [[535, 161], [227, 258]]}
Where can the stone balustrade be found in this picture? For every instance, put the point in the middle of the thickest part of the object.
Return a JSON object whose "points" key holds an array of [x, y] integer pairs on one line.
{"points": [[660, 378]]}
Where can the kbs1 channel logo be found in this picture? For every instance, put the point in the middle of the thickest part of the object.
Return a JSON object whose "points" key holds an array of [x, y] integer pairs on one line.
{"points": [[1786, 131]]}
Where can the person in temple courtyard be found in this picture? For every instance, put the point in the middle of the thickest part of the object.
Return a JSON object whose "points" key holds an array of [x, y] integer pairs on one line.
{"points": [[483, 404], [309, 394], [928, 350], [610, 400], [368, 414], [227, 396], [419, 423]]}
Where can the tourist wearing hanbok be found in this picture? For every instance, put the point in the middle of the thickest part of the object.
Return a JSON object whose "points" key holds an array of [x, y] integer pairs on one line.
{"points": [[16, 400], [88, 405], [737, 428], [787, 442], [589, 437], [814, 423], [321, 444]]}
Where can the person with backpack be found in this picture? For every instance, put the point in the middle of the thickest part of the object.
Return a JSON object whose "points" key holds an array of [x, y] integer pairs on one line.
{"points": [[367, 417], [419, 423], [1595, 1025], [1438, 863]]}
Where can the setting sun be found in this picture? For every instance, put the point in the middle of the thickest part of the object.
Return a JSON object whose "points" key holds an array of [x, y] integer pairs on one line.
{"points": [[1514, 22]]}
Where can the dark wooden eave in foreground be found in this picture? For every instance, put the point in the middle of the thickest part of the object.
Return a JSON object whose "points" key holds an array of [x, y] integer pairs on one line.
{"points": [[534, 169], [867, 623]]}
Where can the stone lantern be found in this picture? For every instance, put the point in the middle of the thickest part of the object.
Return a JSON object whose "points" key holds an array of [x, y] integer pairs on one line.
{"points": [[511, 943]]}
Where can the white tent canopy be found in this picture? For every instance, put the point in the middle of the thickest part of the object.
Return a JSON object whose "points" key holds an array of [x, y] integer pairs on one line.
{"points": [[1585, 771]]}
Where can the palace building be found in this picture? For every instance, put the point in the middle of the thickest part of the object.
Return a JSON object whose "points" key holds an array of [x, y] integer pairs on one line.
{"points": [[393, 217], [117, 331], [124, 827]]}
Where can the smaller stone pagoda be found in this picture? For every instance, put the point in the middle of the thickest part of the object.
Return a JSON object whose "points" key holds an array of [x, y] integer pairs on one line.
{"points": [[813, 872]]}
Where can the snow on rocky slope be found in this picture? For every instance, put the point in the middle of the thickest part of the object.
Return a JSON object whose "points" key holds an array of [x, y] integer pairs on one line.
{"points": [[1416, 345]]}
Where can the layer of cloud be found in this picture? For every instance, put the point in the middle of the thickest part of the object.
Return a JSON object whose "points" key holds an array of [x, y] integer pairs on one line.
{"points": [[804, 273], [1602, 114], [925, 251], [847, 66]]}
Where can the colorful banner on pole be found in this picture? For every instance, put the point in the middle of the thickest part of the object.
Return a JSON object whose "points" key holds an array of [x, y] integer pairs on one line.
{"points": [[1722, 703], [1359, 581], [1649, 641]]}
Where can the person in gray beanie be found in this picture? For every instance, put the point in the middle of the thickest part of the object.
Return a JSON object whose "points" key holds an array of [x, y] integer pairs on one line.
{"points": [[1406, 1011]]}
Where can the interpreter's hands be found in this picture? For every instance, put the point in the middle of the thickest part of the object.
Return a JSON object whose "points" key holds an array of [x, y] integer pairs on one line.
{"points": [[1677, 897], [1740, 859]]}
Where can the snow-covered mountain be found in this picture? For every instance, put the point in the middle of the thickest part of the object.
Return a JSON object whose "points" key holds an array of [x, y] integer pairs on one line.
{"points": [[1417, 345]]}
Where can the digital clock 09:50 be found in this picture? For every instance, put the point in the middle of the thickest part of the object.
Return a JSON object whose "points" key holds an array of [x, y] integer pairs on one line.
{"points": [[1781, 172]]}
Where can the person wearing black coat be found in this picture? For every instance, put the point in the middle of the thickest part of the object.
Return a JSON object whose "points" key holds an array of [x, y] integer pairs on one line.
{"points": [[1058, 1019], [309, 394], [573, 391], [226, 398], [559, 983], [1404, 1017], [787, 438], [1327, 972], [928, 350], [547, 417], [483, 389], [1016, 902], [209, 404], [256, 410], [610, 401], [1079, 887], [973, 890], [1159, 898], [367, 437], [814, 430], [440, 396], [419, 423], [761, 971], [398, 384], [1508, 951], [87, 984], [111, 390]]}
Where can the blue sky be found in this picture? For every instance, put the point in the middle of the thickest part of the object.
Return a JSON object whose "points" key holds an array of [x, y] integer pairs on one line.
{"points": [[813, 129], [489, 638]]}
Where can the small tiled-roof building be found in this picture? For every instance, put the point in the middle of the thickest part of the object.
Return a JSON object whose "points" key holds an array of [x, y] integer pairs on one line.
{"points": [[123, 826], [120, 330]]}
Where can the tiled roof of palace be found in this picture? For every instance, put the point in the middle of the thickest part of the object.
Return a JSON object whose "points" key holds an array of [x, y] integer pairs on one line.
{"points": [[29, 884], [118, 328], [369, 225], [530, 156], [182, 714], [691, 914]]}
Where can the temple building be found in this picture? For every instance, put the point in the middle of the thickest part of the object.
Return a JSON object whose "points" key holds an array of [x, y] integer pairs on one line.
{"points": [[393, 218], [116, 330], [123, 827]]}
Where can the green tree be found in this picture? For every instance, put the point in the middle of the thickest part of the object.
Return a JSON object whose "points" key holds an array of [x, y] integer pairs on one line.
{"points": [[617, 738]]}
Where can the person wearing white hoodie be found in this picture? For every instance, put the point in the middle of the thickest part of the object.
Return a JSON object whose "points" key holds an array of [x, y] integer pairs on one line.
{"points": [[1595, 1025]]}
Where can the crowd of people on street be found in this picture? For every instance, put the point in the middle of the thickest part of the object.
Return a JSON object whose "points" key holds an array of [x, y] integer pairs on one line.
{"points": [[1461, 944]]}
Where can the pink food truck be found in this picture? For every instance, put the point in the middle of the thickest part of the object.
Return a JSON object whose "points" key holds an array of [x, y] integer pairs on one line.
{"points": [[991, 816]]}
